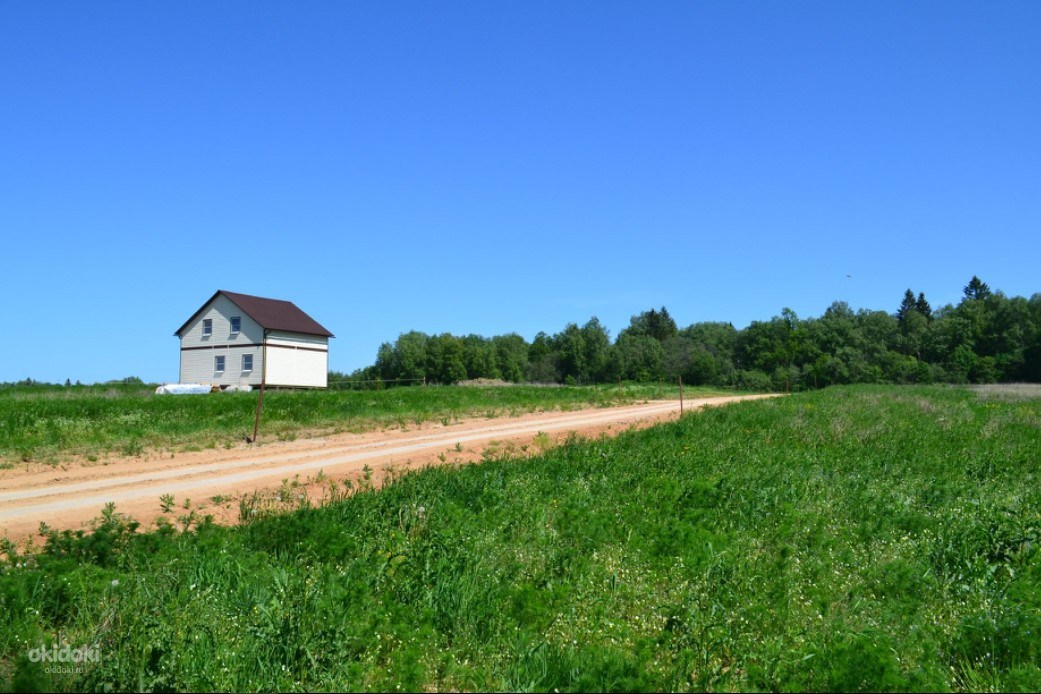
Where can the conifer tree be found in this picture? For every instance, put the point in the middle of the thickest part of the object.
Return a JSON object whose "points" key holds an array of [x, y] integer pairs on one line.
{"points": [[976, 289], [906, 306], [923, 306]]}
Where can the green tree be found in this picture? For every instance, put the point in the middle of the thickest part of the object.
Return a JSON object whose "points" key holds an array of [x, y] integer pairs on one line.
{"points": [[835, 329], [683, 357], [511, 356], [641, 358], [1032, 350], [961, 364], [913, 329], [385, 365], [877, 333], [718, 339], [445, 359], [774, 347], [923, 306], [907, 307], [988, 336], [757, 346], [678, 358], [656, 324], [976, 289], [663, 327], [827, 370], [571, 351], [702, 353], [479, 357], [542, 360], [596, 344], [948, 331], [1007, 336], [913, 318], [831, 348], [411, 358]]}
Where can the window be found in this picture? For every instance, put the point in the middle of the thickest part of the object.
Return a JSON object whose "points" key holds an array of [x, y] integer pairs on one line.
{"points": [[236, 324], [207, 327], [218, 364], [247, 362]]}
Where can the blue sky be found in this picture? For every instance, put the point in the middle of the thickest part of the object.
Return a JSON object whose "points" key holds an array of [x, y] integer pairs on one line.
{"points": [[493, 167]]}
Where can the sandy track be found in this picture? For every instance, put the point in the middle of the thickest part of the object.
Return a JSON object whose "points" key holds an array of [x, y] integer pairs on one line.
{"points": [[69, 497]]}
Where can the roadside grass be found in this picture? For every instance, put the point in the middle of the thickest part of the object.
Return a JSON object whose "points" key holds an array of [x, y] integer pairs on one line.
{"points": [[862, 538], [47, 423]]}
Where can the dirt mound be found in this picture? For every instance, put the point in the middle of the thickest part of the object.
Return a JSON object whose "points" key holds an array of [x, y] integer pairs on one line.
{"points": [[485, 382]]}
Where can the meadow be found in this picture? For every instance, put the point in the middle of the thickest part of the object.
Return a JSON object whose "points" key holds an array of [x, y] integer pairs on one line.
{"points": [[854, 538], [45, 423]]}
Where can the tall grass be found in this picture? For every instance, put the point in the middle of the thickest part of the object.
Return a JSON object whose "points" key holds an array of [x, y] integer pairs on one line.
{"points": [[862, 538], [47, 422]]}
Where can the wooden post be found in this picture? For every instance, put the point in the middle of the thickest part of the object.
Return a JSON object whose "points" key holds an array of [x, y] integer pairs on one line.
{"points": [[260, 404], [263, 382], [681, 396]]}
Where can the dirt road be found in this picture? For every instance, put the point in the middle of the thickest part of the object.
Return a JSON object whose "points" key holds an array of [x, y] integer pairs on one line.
{"points": [[212, 482]]}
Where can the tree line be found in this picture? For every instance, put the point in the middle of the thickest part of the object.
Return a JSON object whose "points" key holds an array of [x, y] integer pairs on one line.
{"points": [[987, 337]]}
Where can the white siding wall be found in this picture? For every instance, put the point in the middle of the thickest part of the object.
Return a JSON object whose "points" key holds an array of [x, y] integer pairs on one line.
{"points": [[287, 366], [293, 361], [277, 337]]}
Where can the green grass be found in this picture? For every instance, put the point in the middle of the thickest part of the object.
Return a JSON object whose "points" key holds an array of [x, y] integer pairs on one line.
{"points": [[45, 423], [865, 538]]}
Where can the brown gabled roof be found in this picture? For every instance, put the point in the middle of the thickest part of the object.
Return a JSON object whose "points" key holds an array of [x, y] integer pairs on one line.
{"points": [[271, 314]]}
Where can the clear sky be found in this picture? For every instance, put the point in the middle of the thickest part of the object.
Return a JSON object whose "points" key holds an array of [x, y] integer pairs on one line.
{"points": [[492, 167]]}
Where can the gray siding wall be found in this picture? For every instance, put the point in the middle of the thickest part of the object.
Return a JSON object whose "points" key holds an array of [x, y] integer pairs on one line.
{"points": [[221, 311], [197, 366], [198, 350]]}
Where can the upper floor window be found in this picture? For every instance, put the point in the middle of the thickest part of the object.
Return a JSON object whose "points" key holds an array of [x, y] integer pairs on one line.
{"points": [[207, 327], [236, 324]]}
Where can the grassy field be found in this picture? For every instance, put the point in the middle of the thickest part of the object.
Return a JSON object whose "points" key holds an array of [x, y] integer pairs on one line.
{"points": [[865, 538], [45, 423]]}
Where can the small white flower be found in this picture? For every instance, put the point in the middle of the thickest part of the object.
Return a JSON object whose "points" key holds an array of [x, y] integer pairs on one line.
{"points": [[115, 582]]}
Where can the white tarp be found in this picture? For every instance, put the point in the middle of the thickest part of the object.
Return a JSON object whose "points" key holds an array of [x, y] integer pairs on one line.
{"points": [[182, 389]]}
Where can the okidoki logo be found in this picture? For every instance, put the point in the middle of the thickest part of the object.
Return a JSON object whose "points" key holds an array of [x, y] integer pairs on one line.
{"points": [[65, 654]]}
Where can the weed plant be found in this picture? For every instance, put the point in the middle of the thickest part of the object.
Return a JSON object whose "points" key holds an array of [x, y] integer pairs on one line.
{"points": [[862, 538]]}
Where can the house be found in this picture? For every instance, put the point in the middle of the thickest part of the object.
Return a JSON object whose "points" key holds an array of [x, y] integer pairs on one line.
{"points": [[238, 339]]}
